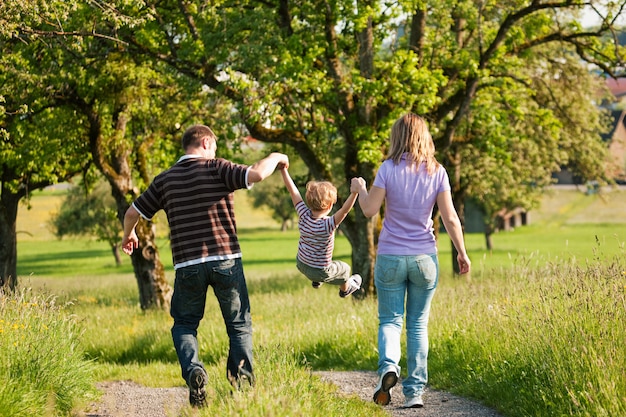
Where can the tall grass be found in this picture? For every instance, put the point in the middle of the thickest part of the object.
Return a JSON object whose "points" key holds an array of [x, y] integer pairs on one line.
{"points": [[535, 337], [536, 340], [42, 366]]}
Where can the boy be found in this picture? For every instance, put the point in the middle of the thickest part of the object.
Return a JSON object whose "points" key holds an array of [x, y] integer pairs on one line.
{"points": [[317, 234]]}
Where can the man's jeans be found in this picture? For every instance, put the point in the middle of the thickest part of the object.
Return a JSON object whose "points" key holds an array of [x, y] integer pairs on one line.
{"points": [[414, 279], [187, 309]]}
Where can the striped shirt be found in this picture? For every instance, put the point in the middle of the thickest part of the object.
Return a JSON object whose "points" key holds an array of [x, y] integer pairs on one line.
{"points": [[317, 238], [197, 196]]}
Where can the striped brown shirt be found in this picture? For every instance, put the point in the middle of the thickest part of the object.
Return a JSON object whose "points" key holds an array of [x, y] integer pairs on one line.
{"points": [[197, 196]]}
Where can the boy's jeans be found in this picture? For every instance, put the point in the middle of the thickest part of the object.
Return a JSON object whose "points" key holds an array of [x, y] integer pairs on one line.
{"points": [[414, 279], [187, 309]]}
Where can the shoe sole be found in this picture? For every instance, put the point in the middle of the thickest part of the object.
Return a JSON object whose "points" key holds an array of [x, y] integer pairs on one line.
{"points": [[383, 395], [197, 393], [352, 289]]}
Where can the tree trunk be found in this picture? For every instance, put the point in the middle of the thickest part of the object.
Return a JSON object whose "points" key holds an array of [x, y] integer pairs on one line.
{"points": [[488, 234], [114, 163], [115, 248], [154, 290], [8, 238]]}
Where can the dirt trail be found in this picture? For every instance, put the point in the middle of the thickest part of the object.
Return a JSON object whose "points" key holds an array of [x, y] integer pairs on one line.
{"points": [[128, 399]]}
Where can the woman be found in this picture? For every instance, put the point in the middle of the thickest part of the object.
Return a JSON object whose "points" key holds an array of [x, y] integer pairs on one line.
{"points": [[410, 181]]}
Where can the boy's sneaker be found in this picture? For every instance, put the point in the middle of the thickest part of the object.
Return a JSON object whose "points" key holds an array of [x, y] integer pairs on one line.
{"points": [[414, 402], [197, 381], [316, 285], [354, 284], [382, 394]]}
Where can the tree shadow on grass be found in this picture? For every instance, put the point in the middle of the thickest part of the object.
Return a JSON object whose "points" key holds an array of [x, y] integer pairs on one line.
{"points": [[150, 347], [287, 283]]}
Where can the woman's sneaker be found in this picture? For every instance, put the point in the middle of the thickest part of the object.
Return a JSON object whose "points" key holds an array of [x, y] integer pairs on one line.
{"points": [[382, 394], [354, 284], [414, 402], [197, 381]]}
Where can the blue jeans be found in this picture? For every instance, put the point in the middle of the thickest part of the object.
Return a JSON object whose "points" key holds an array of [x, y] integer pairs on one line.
{"points": [[398, 279], [187, 309]]}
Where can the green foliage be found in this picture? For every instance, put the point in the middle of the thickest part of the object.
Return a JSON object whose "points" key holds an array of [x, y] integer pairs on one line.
{"points": [[42, 365], [90, 213]]}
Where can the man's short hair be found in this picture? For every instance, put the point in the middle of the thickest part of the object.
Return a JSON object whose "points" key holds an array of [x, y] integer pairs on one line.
{"points": [[194, 135]]}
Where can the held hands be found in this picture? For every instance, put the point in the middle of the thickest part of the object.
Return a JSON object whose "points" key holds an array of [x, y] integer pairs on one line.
{"points": [[283, 160], [357, 184]]}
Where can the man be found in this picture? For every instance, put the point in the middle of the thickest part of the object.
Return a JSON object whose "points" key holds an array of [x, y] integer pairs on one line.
{"points": [[197, 196]]}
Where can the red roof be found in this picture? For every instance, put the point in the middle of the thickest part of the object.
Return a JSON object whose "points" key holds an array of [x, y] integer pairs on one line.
{"points": [[617, 86]]}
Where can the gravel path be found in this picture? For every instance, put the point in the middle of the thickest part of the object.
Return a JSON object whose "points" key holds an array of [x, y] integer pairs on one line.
{"points": [[128, 399]]}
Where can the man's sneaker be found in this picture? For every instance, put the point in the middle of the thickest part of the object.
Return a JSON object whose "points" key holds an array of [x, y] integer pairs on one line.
{"points": [[316, 285], [414, 402], [354, 284], [197, 381], [382, 394]]}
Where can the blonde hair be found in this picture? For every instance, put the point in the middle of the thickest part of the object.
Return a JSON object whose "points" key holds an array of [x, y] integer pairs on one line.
{"points": [[409, 134], [320, 195]]}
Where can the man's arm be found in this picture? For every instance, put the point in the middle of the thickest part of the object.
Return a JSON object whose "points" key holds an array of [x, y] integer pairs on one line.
{"points": [[264, 168], [130, 241], [291, 186]]}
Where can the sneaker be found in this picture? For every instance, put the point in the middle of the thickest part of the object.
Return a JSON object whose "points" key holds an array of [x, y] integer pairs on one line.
{"points": [[197, 381], [316, 285], [354, 284], [414, 402], [382, 394]]}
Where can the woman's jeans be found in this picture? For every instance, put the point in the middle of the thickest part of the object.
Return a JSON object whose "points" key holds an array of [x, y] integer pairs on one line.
{"points": [[398, 279], [187, 309]]}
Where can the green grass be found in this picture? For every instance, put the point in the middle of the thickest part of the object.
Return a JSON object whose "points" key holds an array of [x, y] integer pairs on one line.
{"points": [[42, 366], [537, 329]]}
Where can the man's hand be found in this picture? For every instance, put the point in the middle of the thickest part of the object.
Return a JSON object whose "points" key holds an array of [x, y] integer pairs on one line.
{"points": [[130, 243]]}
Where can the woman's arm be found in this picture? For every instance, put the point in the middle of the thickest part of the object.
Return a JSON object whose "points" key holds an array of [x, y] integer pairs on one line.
{"points": [[371, 202], [453, 226]]}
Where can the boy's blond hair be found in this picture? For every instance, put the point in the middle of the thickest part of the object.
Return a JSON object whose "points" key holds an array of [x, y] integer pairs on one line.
{"points": [[320, 195]]}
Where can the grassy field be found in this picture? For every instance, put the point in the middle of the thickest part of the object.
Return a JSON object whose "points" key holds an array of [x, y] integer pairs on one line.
{"points": [[537, 330]]}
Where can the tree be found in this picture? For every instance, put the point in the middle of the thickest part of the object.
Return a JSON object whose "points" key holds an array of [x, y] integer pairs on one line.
{"points": [[87, 212], [40, 143], [329, 78], [128, 111]]}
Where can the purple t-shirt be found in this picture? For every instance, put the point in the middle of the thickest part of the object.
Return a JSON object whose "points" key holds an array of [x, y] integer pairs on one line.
{"points": [[410, 196]]}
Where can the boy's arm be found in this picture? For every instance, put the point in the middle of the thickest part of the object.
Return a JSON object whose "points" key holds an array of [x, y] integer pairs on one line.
{"points": [[291, 186], [341, 214]]}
